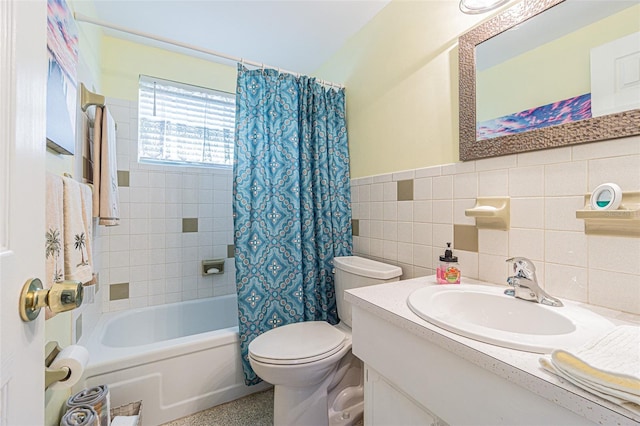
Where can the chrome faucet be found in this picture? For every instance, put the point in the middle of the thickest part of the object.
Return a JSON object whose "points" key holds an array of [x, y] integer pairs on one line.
{"points": [[525, 283]]}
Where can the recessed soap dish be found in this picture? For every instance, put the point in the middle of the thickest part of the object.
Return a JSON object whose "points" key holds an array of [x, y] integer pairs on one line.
{"points": [[213, 267]]}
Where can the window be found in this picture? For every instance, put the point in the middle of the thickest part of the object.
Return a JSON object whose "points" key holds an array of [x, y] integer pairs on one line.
{"points": [[183, 124]]}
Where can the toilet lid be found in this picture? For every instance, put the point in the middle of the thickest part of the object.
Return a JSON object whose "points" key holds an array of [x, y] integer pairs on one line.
{"points": [[297, 343]]}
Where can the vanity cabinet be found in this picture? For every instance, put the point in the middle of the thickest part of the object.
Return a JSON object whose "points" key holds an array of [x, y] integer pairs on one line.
{"points": [[387, 405], [412, 381]]}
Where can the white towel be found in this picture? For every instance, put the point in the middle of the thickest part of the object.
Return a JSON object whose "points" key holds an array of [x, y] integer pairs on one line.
{"points": [[106, 203], [608, 367], [77, 232], [54, 235], [124, 421]]}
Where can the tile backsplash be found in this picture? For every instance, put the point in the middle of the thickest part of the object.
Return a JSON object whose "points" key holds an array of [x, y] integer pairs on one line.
{"points": [[546, 188], [173, 217]]}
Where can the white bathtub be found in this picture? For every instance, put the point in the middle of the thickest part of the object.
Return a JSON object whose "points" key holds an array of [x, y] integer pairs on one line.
{"points": [[178, 358]]}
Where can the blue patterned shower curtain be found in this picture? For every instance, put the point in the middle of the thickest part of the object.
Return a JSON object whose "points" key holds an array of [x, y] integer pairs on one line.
{"points": [[291, 201]]}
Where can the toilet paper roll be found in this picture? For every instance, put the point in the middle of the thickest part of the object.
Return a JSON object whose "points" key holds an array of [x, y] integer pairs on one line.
{"points": [[75, 358]]}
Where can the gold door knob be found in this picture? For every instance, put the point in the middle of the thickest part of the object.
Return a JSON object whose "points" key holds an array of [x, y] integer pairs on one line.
{"points": [[61, 297]]}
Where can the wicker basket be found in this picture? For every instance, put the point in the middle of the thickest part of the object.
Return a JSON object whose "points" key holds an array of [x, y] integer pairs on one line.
{"points": [[131, 409]]}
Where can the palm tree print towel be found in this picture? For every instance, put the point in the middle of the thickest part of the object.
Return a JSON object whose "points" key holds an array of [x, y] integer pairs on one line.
{"points": [[54, 236], [77, 231]]}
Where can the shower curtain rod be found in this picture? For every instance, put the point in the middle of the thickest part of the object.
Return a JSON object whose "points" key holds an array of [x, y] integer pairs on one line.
{"points": [[83, 18]]}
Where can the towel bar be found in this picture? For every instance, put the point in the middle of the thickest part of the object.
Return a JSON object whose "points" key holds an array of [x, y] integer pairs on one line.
{"points": [[88, 98]]}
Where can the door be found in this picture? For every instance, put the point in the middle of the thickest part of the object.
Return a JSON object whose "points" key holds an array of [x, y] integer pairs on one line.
{"points": [[23, 68], [615, 76]]}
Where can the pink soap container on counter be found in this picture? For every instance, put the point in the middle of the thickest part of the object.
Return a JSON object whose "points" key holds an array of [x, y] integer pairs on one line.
{"points": [[448, 271]]}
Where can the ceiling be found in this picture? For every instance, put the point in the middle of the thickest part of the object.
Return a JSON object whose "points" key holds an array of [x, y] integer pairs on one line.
{"points": [[294, 35]]}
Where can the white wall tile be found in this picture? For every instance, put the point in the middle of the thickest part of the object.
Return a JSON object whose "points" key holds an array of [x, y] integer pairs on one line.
{"points": [[442, 211], [422, 256], [138, 179], [139, 195], [377, 192], [376, 229], [390, 191], [564, 281], [615, 254], [191, 210], [527, 213], [138, 242], [404, 175], [527, 243], [565, 179], [625, 171], [405, 231], [355, 198], [405, 211], [377, 210], [422, 211], [560, 213], [390, 231], [494, 183], [118, 243], [118, 259], [364, 193], [375, 248], [390, 250], [138, 210], [388, 177], [496, 163], [526, 181], [422, 189], [190, 181], [365, 228], [614, 290], [546, 156], [428, 172], [465, 185], [568, 248], [468, 263], [405, 253], [612, 148], [157, 180], [491, 241], [423, 233], [464, 167], [492, 268], [442, 234], [390, 210], [442, 188]]}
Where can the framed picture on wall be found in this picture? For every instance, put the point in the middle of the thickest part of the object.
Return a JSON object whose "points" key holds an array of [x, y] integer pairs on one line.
{"points": [[62, 48]]}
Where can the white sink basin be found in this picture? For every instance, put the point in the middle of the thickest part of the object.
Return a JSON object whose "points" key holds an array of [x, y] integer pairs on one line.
{"points": [[486, 314]]}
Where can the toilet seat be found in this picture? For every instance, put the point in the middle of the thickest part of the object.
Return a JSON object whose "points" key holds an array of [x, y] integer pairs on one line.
{"points": [[298, 343]]}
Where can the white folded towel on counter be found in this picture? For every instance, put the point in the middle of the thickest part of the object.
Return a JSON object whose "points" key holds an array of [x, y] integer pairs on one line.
{"points": [[608, 367]]}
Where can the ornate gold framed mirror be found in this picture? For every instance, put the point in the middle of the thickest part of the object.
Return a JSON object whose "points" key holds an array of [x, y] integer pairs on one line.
{"points": [[526, 118]]}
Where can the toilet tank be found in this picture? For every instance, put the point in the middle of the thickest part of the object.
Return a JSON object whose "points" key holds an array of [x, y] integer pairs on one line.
{"points": [[353, 272]]}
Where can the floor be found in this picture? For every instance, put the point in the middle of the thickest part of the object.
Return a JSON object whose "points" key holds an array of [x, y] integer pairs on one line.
{"points": [[253, 410]]}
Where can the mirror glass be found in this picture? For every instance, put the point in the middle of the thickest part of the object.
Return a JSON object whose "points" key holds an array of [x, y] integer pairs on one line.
{"points": [[547, 73]]}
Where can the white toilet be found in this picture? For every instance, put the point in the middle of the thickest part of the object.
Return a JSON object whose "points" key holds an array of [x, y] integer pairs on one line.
{"points": [[318, 381]]}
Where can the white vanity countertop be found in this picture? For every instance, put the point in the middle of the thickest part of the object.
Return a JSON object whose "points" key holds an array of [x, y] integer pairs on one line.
{"points": [[389, 302]]}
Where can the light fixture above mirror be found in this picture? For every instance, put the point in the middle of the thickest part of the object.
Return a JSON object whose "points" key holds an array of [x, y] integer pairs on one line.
{"points": [[474, 7]]}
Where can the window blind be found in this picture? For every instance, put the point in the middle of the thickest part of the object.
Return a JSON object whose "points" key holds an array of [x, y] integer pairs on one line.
{"points": [[180, 123]]}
